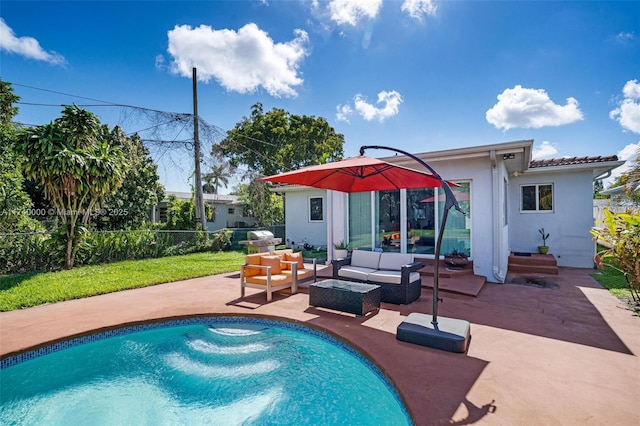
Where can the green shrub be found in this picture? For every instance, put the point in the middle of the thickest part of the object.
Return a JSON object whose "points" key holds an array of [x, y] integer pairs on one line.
{"points": [[621, 235]]}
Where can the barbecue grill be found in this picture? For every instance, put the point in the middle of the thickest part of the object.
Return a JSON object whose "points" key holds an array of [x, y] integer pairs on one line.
{"points": [[260, 242]]}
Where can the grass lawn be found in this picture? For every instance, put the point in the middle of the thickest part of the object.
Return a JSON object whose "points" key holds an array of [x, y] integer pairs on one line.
{"points": [[614, 281], [37, 288]]}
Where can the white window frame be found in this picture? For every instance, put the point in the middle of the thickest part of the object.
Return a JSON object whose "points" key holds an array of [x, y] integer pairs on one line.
{"points": [[309, 209], [537, 186]]}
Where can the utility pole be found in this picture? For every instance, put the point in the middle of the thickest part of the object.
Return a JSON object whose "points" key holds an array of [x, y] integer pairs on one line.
{"points": [[200, 214]]}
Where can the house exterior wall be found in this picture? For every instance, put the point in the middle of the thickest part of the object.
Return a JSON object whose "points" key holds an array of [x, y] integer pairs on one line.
{"points": [[479, 172], [298, 226], [568, 224]]}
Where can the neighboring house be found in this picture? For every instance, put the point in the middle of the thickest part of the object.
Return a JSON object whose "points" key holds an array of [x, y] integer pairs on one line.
{"points": [[227, 211], [507, 198]]}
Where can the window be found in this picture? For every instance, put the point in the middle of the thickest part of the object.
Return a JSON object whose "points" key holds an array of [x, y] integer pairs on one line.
{"points": [[316, 211], [537, 198], [230, 210]]}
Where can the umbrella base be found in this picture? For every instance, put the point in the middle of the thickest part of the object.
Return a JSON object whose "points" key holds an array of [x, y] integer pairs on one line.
{"points": [[450, 334]]}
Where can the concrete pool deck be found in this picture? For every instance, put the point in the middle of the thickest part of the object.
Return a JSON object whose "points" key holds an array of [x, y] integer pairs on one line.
{"points": [[538, 356]]}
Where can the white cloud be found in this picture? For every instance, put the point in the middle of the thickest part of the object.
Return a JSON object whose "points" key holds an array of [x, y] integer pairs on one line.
{"points": [[628, 111], [545, 150], [160, 65], [418, 8], [531, 108], [391, 101], [624, 37], [343, 112], [241, 61], [350, 12], [28, 47], [629, 154]]}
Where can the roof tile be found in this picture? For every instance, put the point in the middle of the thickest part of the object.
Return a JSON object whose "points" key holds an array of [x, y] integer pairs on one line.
{"points": [[566, 161]]}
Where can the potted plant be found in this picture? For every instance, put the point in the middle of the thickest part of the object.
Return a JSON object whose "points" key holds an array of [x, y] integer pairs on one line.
{"points": [[341, 249], [456, 258], [543, 249]]}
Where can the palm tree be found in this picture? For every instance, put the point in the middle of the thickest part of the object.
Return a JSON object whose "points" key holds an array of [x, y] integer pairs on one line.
{"points": [[219, 176]]}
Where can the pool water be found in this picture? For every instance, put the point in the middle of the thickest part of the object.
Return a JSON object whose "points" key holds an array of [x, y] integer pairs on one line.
{"points": [[220, 371]]}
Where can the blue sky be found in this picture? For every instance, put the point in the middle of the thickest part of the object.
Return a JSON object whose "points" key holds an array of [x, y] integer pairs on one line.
{"points": [[418, 75]]}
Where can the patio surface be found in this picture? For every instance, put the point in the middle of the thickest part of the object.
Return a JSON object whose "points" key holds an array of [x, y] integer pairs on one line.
{"points": [[538, 356]]}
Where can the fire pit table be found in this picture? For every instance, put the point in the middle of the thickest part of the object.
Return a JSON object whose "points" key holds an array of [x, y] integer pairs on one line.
{"points": [[345, 296]]}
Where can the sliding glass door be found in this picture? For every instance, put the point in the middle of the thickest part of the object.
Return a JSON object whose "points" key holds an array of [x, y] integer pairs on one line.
{"points": [[408, 221]]}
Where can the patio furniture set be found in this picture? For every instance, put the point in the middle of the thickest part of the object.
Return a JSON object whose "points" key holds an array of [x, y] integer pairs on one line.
{"points": [[359, 283]]}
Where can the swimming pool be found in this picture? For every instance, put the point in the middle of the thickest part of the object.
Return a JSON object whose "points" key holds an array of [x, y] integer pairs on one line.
{"points": [[205, 370]]}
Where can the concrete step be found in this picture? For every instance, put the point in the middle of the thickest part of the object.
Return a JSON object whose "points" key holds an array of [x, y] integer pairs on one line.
{"points": [[444, 270], [468, 285], [533, 263]]}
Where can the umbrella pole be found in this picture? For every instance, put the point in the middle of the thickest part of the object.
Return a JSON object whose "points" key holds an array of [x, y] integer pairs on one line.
{"points": [[436, 269], [449, 202]]}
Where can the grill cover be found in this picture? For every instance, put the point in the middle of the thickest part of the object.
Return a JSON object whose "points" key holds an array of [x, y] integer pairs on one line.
{"points": [[259, 235]]}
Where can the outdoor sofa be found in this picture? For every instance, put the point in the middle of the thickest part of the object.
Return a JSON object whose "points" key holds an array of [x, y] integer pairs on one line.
{"points": [[276, 270], [396, 273]]}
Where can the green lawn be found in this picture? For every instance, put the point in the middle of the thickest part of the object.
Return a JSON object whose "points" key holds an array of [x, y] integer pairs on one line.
{"points": [[614, 281], [32, 289]]}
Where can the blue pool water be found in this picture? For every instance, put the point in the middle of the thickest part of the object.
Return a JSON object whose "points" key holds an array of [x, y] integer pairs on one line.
{"points": [[219, 371]]}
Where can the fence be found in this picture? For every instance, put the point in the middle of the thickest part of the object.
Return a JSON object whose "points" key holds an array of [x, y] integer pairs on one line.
{"points": [[615, 207]]}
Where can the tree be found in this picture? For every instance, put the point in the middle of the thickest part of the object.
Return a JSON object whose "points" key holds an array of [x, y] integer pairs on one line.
{"points": [[219, 175], [129, 206], [14, 202], [181, 214], [78, 162], [277, 141], [266, 207]]}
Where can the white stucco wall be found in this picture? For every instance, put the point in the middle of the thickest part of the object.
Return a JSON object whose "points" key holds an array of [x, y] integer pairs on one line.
{"points": [[479, 172], [298, 228], [568, 225]]}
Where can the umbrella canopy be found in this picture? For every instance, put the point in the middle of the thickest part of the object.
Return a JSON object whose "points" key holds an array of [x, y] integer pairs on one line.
{"points": [[358, 174]]}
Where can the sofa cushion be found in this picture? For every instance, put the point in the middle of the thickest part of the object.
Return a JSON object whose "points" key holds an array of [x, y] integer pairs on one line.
{"points": [[274, 262], [302, 275], [391, 277], [254, 259], [295, 257], [276, 280], [355, 272], [365, 259], [394, 261]]}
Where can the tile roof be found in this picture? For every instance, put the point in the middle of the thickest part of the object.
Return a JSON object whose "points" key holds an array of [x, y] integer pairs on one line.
{"points": [[571, 160]]}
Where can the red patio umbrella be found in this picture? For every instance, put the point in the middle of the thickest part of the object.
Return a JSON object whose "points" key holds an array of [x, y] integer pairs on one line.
{"points": [[358, 174], [362, 174]]}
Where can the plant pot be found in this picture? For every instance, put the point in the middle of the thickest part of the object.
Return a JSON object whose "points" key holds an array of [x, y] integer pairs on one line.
{"points": [[456, 260], [340, 254], [543, 249]]}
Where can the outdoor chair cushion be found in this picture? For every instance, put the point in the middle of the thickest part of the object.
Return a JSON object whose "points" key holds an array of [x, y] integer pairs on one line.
{"points": [[295, 257], [274, 262], [355, 272], [365, 259], [394, 262], [276, 280], [391, 277]]}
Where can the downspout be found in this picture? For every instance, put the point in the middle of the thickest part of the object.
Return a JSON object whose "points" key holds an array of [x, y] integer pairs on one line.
{"points": [[497, 231]]}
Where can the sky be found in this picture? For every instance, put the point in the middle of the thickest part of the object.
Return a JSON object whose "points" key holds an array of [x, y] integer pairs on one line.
{"points": [[418, 75]]}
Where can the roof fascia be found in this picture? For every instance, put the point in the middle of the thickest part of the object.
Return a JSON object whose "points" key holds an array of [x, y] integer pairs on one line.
{"points": [[523, 146]]}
